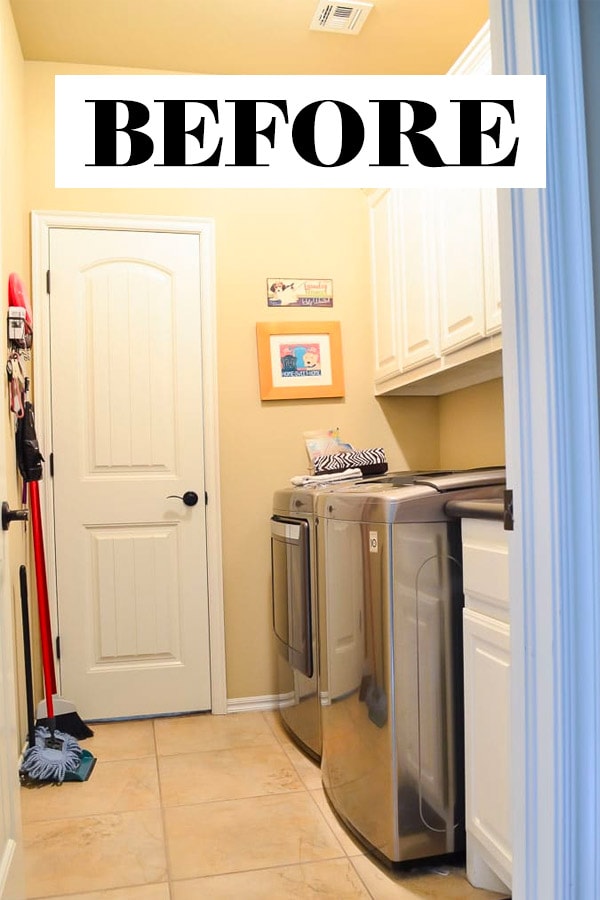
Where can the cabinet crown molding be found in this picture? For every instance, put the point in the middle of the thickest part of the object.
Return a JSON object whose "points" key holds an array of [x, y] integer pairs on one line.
{"points": [[476, 58]]}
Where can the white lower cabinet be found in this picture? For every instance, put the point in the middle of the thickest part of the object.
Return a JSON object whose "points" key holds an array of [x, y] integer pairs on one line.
{"points": [[486, 632]]}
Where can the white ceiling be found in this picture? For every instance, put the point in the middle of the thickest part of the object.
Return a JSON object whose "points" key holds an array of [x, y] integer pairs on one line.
{"points": [[252, 37]]}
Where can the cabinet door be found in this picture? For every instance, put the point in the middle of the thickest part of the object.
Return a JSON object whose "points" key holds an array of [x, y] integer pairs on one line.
{"points": [[460, 267], [419, 333], [491, 257], [487, 738], [384, 255]]}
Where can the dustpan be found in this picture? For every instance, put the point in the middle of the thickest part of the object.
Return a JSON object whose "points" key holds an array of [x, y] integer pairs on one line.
{"points": [[84, 769]]}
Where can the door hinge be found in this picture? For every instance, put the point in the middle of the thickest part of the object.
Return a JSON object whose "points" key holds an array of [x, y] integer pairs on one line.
{"points": [[58, 646], [206, 498], [509, 522], [51, 465], [47, 281]]}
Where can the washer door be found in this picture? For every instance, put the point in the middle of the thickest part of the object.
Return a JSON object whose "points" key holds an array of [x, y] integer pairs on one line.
{"points": [[290, 589]]}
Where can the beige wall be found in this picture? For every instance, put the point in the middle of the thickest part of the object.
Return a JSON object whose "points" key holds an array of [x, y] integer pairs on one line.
{"points": [[13, 258], [472, 426], [260, 234]]}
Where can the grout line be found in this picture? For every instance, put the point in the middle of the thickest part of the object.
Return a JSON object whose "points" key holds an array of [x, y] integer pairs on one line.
{"points": [[323, 816], [360, 878], [101, 892], [162, 810], [272, 866], [279, 734], [225, 749], [240, 799]]}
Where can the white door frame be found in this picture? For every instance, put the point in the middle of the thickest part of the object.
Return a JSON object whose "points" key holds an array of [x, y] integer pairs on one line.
{"points": [[41, 222], [551, 405], [11, 838], [12, 871]]}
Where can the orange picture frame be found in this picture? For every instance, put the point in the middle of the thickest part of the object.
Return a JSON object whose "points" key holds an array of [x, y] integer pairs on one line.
{"points": [[299, 360]]}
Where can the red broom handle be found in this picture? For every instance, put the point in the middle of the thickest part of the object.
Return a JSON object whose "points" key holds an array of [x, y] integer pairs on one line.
{"points": [[42, 594]]}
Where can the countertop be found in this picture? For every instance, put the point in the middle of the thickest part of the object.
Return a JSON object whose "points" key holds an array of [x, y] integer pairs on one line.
{"points": [[475, 509]]}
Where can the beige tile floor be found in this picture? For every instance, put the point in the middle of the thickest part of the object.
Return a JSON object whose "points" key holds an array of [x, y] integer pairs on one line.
{"points": [[204, 806]]}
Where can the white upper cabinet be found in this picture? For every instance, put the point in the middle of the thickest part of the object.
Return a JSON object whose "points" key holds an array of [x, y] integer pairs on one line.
{"points": [[491, 264], [436, 282], [459, 263], [403, 268], [418, 322], [384, 276]]}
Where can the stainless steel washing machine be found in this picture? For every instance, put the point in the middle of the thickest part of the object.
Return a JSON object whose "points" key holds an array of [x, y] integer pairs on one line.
{"points": [[295, 606], [390, 582]]}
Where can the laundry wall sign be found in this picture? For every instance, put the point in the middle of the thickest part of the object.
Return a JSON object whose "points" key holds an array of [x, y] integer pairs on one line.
{"points": [[308, 292]]}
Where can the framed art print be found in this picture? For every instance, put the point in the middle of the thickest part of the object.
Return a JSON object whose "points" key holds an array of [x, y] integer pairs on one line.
{"points": [[299, 360]]}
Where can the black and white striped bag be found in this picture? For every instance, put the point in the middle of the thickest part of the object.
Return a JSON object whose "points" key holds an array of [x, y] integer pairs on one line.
{"points": [[370, 462]]}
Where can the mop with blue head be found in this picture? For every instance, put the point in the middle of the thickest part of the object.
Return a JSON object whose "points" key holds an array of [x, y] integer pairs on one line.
{"points": [[51, 758], [54, 757]]}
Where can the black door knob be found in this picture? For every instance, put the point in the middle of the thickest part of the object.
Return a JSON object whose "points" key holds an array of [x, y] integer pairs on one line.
{"points": [[190, 498], [12, 515]]}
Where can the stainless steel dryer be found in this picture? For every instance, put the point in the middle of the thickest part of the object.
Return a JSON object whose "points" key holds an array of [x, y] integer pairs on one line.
{"points": [[294, 606], [391, 600]]}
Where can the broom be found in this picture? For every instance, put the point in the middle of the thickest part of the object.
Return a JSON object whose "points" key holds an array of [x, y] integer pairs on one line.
{"points": [[30, 460], [65, 714], [52, 756]]}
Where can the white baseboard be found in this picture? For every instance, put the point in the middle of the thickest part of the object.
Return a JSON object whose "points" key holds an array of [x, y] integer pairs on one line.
{"points": [[253, 704], [11, 871]]}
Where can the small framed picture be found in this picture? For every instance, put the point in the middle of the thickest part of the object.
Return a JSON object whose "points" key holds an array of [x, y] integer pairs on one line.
{"points": [[305, 292], [298, 360]]}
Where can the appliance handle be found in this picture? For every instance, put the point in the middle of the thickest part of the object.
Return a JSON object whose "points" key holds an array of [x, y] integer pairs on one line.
{"points": [[439, 557], [289, 531]]}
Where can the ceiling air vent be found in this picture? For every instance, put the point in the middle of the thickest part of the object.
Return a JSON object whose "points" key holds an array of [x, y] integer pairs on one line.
{"points": [[342, 18]]}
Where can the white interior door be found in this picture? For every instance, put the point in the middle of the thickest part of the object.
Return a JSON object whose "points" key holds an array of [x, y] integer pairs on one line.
{"points": [[127, 434]]}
